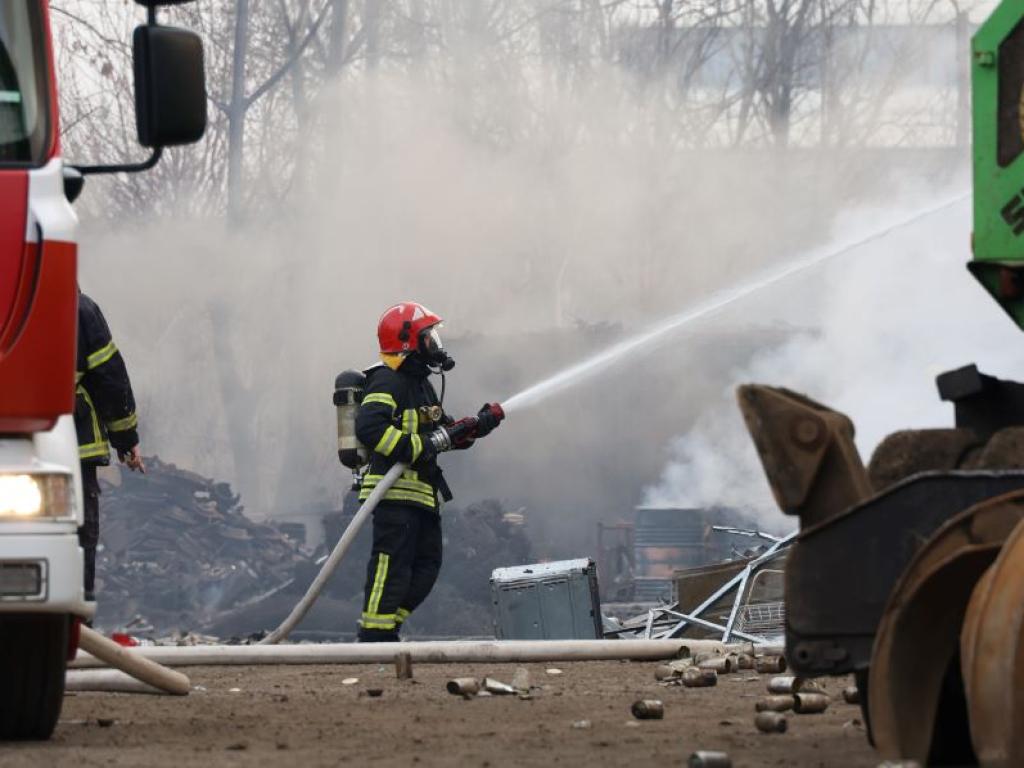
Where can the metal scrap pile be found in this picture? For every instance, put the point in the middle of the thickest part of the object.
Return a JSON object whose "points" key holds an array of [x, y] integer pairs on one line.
{"points": [[177, 549]]}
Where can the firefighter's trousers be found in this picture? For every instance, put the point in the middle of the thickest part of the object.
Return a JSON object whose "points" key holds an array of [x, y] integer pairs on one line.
{"points": [[403, 567], [89, 533]]}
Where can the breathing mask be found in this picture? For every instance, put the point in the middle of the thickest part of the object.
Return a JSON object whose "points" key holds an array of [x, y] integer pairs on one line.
{"points": [[432, 349]]}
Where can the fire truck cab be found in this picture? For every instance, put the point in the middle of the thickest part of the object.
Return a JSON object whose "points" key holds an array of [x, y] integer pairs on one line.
{"points": [[42, 599]]}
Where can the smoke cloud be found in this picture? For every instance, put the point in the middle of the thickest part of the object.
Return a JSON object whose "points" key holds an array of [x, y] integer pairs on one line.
{"points": [[542, 229]]}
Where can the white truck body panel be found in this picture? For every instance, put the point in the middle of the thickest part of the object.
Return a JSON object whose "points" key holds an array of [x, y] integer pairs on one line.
{"points": [[53, 543]]}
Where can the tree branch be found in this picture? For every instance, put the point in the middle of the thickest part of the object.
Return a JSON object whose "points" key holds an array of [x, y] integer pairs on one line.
{"points": [[283, 70]]}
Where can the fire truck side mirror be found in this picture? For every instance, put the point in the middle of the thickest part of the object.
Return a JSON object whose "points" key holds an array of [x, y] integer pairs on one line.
{"points": [[74, 183], [170, 86]]}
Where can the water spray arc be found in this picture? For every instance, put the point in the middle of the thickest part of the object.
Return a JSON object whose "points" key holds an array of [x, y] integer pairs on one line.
{"points": [[704, 309]]}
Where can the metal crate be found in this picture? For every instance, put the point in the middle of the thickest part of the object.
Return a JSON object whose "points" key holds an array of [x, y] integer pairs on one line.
{"points": [[547, 601]]}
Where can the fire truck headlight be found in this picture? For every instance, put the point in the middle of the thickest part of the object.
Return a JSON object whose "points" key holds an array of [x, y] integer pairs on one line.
{"points": [[25, 497]]}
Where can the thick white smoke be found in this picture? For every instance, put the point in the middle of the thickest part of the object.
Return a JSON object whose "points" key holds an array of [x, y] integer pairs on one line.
{"points": [[881, 324]]}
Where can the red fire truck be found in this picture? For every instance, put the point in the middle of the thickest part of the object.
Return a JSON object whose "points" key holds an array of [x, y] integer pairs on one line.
{"points": [[41, 579]]}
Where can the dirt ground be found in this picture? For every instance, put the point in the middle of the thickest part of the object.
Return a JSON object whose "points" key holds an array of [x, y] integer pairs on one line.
{"points": [[306, 716]]}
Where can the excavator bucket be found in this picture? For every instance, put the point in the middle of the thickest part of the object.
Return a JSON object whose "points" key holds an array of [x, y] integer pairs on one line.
{"points": [[909, 585]]}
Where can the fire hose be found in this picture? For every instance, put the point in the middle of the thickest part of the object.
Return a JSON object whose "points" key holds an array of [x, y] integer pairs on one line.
{"points": [[427, 652], [331, 565]]}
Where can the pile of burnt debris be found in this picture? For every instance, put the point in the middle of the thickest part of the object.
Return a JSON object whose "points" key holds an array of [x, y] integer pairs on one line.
{"points": [[176, 549], [179, 555]]}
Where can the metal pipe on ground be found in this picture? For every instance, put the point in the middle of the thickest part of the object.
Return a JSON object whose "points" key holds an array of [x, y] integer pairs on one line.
{"points": [[437, 652], [331, 565], [104, 652]]}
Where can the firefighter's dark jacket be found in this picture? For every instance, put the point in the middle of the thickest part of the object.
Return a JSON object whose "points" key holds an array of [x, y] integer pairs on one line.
{"points": [[399, 409], [104, 404]]}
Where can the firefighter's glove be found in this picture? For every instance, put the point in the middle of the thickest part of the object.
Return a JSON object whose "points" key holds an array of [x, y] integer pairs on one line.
{"points": [[458, 435], [488, 419]]}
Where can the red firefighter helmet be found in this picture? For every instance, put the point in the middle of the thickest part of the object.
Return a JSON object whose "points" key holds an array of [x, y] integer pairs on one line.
{"points": [[400, 327]]}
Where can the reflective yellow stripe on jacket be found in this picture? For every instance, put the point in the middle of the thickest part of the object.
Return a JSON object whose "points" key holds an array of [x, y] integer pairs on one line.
{"points": [[100, 356], [410, 421], [98, 447], [388, 441], [120, 425], [381, 397], [407, 488], [411, 426]]}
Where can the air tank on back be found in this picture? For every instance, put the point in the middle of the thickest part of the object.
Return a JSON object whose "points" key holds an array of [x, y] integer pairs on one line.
{"points": [[348, 394]]}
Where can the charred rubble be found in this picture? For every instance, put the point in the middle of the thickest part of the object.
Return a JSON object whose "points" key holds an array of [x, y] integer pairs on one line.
{"points": [[177, 549], [178, 554]]}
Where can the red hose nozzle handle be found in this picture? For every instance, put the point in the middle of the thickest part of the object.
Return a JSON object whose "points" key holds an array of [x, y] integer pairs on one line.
{"points": [[497, 411]]}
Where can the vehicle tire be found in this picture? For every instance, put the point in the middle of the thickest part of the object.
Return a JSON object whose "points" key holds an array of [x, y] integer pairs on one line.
{"points": [[860, 677], [33, 660]]}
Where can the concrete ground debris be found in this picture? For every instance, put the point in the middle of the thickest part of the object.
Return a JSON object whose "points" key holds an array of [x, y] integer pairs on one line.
{"points": [[326, 723]]}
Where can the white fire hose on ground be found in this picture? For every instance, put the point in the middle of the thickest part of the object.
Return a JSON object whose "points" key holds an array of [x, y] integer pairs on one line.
{"points": [[424, 652]]}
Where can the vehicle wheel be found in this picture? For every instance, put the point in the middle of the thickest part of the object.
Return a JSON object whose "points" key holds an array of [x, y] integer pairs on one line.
{"points": [[33, 660], [861, 677]]}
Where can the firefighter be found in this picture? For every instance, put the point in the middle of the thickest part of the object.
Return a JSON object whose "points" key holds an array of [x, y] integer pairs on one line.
{"points": [[104, 416], [401, 419]]}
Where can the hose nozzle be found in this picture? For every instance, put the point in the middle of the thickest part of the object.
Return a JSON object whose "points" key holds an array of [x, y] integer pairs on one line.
{"points": [[496, 410]]}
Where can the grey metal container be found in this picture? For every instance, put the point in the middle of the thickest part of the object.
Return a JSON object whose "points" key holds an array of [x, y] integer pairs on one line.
{"points": [[547, 601]]}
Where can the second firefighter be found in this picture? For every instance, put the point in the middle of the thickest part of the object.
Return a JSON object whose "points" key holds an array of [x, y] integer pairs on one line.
{"points": [[104, 416]]}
